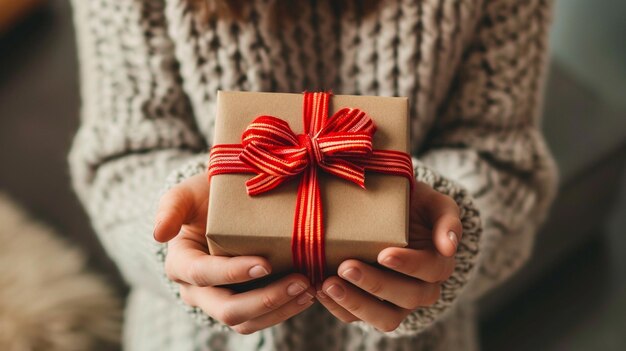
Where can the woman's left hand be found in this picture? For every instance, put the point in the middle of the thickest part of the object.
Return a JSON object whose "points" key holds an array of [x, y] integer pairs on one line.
{"points": [[383, 297]]}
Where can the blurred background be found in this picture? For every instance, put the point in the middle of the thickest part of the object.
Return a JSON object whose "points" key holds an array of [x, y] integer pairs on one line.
{"points": [[572, 294]]}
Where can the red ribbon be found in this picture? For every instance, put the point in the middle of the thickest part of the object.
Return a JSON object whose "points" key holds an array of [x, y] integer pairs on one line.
{"points": [[340, 145]]}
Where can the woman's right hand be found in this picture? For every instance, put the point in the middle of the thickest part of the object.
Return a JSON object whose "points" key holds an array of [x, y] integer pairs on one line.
{"points": [[181, 221]]}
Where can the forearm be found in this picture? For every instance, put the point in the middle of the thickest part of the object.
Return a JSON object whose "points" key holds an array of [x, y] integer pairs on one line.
{"points": [[512, 205], [500, 211], [486, 144], [137, 128], [488, 136], [123, 215], [122, 201]]}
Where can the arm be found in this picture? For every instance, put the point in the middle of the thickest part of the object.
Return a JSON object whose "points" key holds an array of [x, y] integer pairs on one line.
{"points": [[136, 128], [488, 138], [138, 138], [486, 152]]}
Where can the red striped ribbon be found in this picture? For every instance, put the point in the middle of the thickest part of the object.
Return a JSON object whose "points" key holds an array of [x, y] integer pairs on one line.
{"points": [[340, 145]]}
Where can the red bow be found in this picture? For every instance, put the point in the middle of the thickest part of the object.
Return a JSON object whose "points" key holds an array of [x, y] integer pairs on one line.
{"points": [[340, 145]]}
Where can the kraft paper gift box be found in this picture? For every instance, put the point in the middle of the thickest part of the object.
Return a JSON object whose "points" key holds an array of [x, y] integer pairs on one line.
{"points": [[358, 223]]}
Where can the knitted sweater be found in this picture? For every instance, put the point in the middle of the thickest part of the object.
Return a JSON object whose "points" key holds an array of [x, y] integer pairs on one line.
{"points": [[473, 71]]}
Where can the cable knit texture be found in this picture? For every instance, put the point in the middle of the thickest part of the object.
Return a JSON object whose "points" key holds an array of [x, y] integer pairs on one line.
{"points": [[473, 70]]}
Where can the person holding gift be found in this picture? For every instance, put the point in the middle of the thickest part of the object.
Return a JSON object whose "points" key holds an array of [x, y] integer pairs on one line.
{"points": [[484, 179]]}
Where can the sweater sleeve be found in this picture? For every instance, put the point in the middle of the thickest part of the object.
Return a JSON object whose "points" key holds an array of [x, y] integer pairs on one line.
{"points": [[136, 130], [488, 138], [486, 151]]}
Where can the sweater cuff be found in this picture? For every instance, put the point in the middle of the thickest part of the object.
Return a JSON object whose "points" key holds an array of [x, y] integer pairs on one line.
{"points": [[196, 165], [466, 256]]}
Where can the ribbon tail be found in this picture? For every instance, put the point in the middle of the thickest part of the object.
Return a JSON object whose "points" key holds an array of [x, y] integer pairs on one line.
{"points": [[307, 244], [350, 171]]}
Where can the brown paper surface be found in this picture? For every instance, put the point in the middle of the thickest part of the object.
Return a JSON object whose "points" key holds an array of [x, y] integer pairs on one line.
{"points": [[358, 223]]}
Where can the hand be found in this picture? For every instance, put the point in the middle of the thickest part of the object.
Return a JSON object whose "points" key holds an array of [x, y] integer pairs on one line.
{"points": [[384, 297], [181, 220]]}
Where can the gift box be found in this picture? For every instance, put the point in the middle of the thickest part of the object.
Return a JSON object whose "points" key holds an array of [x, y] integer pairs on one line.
{"points": [[357, 222]]}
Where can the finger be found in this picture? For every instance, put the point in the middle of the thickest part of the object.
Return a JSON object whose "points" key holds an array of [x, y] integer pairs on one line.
{"points": [[399, 289], [426, 265], [188, 262], [178, 206], [233, 309], [444, 215], [335, 309], [279, 315], [380, 314]]}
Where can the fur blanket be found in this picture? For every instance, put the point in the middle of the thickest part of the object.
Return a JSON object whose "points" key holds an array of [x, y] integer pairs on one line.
{"points": [[48, 299]]}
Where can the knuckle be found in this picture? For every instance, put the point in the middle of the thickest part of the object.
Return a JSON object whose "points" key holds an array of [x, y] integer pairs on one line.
{"points": [[429, 297], [449, 270], [244, 329], [169, 272], [389, 326], [335, 309], [443, 271], [169, 266], [376, 287], [420, 302], [183, 291], [229, 316], [270, 302], [434, 296], [348, 319], [440, 273], [176, 197], [196, 273], [434, 197], [448, 201], [341, 313], [354, 307], [457, 209], [164, 202], [281, 314], [419, 299], [414, 263], [413, 302], [230, 276], [415, 271]]}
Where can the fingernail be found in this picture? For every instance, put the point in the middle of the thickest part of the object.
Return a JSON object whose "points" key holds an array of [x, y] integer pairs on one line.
{"points": [[453, 238], [295, 289], [392, 262], [258, 271], [335, 291], [306, 297], [352, 274]]}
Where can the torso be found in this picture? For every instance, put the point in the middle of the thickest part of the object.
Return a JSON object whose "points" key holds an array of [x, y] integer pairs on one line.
{"points": [[406, 48]]}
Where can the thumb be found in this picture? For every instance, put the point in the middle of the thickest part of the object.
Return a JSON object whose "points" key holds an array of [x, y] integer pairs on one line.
{"points": [[447, 227], [447, 235], [175, 208]]}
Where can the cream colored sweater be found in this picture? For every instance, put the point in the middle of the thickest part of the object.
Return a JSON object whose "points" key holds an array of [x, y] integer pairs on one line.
{"points": [[473, 70]]}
